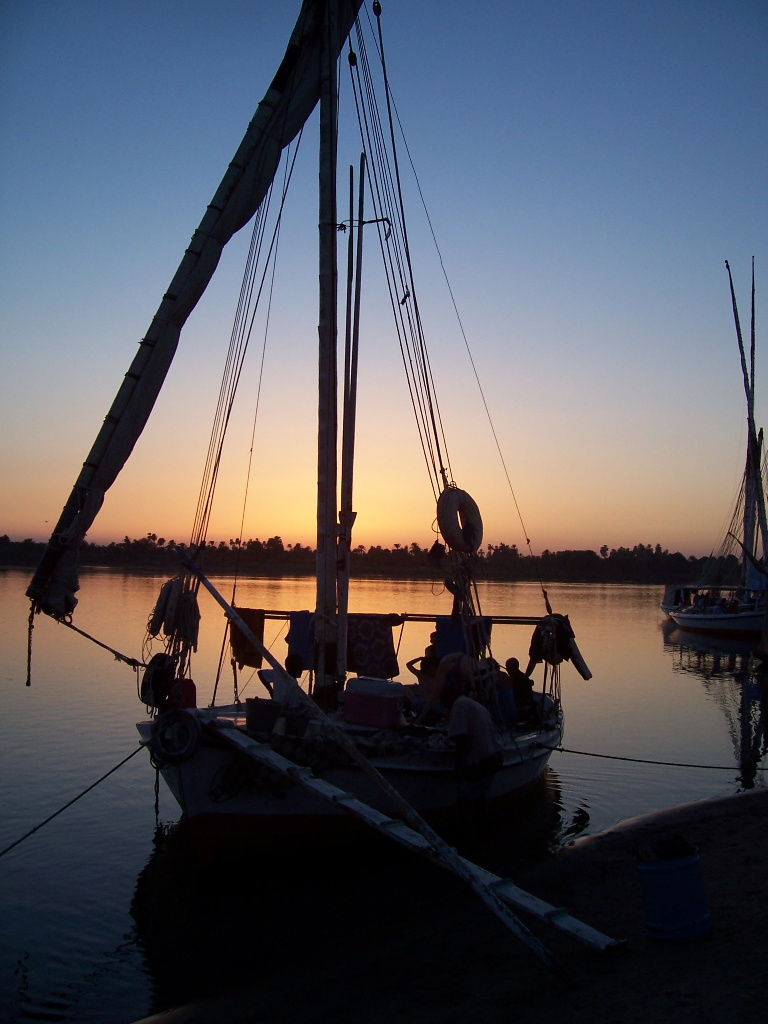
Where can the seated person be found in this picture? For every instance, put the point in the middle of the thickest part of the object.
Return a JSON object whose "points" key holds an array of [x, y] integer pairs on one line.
{"points": [[280, 689], [454, 671], [425, 673], [478, 753], [505, 705], [522, 686], [294, 665]]}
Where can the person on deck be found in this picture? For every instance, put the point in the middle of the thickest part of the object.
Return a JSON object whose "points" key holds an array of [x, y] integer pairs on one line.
{"points": [[478, 756], [425, 673], [453, 672], [522, 687], [425, 677]]}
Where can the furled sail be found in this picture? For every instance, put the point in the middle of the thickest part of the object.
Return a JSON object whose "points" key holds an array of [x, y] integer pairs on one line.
{"points": [[290, 99]]}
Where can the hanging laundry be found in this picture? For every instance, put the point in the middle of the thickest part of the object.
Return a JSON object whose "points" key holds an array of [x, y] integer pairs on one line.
{"points": [[300, 637], [370, 647], [451, 639], [243, 652]]}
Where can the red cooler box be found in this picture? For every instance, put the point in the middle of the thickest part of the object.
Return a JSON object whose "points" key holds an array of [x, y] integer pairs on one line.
{"points": [[373, 702]]}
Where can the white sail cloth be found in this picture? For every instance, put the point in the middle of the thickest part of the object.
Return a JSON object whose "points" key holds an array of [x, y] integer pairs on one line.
{"points": [[289, 101]]}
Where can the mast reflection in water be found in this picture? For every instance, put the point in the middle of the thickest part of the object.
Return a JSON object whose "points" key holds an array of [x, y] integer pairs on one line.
{"points": [[735, 681]]}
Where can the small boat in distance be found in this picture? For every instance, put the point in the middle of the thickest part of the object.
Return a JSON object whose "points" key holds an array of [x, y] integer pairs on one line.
{"points": [[729, 599]]}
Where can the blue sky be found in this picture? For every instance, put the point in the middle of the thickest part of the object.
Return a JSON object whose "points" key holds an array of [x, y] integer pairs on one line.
{"points": [[588, 167]]}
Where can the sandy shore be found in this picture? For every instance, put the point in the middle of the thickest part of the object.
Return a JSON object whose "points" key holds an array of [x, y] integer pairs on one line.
{"points": [[438, 956]]}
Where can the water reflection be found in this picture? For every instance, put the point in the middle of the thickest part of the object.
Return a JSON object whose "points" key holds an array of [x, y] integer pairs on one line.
{"points": [[735, 682], [208, 917]]}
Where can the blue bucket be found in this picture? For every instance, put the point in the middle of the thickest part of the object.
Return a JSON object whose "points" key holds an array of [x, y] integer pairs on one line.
{"points": [[674, 900]]}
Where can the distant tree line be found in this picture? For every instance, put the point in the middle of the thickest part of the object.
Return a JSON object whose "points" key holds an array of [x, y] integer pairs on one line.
{"points": [[644, 563]]}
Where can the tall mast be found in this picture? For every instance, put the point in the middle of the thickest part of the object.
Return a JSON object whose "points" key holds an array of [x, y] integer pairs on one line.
{"points": [[752, 470], [346, 514], [325, 610]]}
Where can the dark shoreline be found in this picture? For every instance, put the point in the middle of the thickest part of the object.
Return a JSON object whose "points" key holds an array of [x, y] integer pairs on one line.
{"points": [[644, 563], [452, 962]]}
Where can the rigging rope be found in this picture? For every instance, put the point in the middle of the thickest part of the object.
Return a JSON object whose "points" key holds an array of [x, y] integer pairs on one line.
{"points": [[286, 180], [392, 106], [239, 340], [389, 216]]}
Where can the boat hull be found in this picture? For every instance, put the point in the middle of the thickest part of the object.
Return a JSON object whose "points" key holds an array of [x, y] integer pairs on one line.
{"points": [[213, 788], [739, 626]]}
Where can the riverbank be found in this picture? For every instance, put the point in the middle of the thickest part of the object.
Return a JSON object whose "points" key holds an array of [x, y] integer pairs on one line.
{"points": [[643, 563], [439, 956]]}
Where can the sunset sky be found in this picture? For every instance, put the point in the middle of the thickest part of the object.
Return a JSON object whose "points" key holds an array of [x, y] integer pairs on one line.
{"points": [[588, 167]]}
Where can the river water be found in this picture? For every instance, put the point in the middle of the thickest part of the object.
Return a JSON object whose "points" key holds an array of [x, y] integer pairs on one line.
{"points": [[69, 946]]}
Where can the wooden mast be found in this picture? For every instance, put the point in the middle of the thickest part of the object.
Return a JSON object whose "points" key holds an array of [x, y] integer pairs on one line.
{"points": [[346, 515], [325, 610], [752, 470]]}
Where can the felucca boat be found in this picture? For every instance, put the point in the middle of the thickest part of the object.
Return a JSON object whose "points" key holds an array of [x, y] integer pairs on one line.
{"points": [[279, 764], [729, 600]]}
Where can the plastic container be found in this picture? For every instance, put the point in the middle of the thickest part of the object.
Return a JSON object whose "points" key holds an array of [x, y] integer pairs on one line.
{"points": [[261, 714], [374, 687], [376, 703], [673, 893], [372, 710], [183, 694]]}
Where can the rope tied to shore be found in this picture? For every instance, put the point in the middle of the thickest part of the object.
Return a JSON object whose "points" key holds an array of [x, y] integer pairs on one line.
{"points": [[643, 760], [30, 627]]}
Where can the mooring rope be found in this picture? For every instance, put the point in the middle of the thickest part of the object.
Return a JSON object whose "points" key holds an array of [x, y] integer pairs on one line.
{"points": [[73, 801], [30, 627], [644, 760]]}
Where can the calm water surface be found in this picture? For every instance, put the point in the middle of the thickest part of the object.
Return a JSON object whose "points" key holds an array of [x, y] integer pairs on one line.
{"points": [[68, 944]]}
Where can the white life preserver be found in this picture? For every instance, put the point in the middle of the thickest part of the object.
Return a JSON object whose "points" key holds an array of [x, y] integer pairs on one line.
{"points": [[459, 520]]}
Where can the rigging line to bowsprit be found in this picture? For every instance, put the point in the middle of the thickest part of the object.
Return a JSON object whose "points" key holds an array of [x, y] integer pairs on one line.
{"points": [[72, 801], [286, 177], [643, 760], [253, 429], [132, 662], [232, 384]]}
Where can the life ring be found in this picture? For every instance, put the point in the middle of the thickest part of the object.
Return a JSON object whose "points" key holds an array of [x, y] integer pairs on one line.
{"points": [[175, 737], [459, 520]]}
